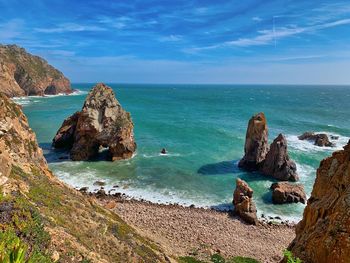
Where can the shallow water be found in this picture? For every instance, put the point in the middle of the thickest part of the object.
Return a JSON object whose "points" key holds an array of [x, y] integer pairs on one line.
{"points": [[203, 128]]}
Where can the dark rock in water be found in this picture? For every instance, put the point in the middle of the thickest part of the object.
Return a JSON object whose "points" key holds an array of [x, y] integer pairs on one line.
{"points": [[319, 139], [277, 163], [256, 143], [101, 122], [63, 157], [243, 202], [101, 193], [99, 183], [84, 189], [65, 135], [284, 192], [163, 151], [322, 235], [334, 137]]}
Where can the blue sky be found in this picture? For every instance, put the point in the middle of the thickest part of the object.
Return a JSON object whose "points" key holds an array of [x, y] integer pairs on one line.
{"points": [[186, 41]]}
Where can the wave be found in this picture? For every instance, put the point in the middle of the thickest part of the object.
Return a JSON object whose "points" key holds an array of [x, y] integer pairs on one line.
{"points": [[27, 100], [307, 146], [161, 155]]}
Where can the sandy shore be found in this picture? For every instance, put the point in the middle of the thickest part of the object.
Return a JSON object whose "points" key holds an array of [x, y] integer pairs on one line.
{"points": [[185, 231]]}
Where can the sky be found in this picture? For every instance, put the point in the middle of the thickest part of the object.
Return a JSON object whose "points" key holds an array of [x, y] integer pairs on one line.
{"points": [[185, 41]]}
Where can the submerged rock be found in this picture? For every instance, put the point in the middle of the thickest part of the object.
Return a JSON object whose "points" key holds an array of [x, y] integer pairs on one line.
{"points": [[243, 202], [101, 122], [323, 235], [319, 139], [277, 163], [256, 143], [163, 151], [284, 192]]}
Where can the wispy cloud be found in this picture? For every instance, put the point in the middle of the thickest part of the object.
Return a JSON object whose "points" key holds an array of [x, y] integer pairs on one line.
{"points": [[69, 27], [256, 19], [171, 38]]}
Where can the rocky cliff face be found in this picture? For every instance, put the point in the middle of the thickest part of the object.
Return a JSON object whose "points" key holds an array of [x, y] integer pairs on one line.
{"points": [[52, 221], [22, 74], [102, 122], [323, 235], [256, 143]]}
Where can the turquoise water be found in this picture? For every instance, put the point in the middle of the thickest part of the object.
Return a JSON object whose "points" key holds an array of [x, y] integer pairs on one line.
{"points": [[203, 128]]}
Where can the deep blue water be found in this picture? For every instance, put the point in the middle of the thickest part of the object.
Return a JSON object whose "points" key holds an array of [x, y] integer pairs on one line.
{"points": [[203, 128]]}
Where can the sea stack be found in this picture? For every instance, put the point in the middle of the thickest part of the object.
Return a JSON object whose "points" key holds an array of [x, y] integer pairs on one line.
{"points": [[102, 123], [22, 74], [284, 192], [278, 164], [323, 235], [256, 143], [243, 202]]}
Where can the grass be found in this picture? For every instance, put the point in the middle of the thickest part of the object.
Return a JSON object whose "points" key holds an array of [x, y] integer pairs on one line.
{"points": [[217, 258]]}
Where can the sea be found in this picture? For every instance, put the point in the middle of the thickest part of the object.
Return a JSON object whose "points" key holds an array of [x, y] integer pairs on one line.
{"points": [[203, 129]]}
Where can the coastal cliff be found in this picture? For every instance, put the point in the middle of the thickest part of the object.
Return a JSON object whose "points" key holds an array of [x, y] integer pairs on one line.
{"points": [[46, 218], [22, 74], [323, 234]]}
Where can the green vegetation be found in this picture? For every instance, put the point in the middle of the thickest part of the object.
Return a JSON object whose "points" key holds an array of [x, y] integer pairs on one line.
{"points": [[217, 258], [290, 258]]}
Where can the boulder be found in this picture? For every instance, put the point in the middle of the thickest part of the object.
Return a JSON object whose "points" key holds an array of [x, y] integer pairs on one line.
{"points": [[319, 139], [283, 192], [323, 235], [277, 163], [102, 122], [243, 202], [256, 143]]}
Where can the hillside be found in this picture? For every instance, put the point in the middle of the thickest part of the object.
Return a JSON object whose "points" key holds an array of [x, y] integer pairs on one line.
{"points": [[50, 220], [22, 74]]}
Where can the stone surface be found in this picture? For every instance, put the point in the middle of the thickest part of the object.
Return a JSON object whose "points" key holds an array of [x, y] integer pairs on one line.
{"points": [[256, 143], [102, 123], [323, 235], [277, 163], [243, 202], [22, 74], [319, 139], [283, 192]]}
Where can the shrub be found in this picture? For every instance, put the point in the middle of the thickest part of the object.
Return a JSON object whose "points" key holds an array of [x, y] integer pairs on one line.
{"points": [[288, 255]]}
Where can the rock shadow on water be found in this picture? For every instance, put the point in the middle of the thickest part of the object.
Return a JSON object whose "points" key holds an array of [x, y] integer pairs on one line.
{"points": [[225, 167]]}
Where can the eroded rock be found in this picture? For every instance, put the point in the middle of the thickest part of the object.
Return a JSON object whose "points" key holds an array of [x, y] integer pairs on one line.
{"points": [[102, 122], [319, 139], [277, 163], [283, 192], [243, 202], [323, 235], [256, 143]]}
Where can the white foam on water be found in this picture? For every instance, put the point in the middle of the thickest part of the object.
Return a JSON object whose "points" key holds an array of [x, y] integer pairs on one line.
{"points": [[308, 146], [305, 170], [161, 155]]}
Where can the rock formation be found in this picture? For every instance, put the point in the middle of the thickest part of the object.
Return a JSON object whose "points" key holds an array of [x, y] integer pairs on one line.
{"points": [[22, 74], [319, 139], [243, 202], [102, 122], [53, 222], [323, 235], [256, 144], [283, 192], [277, 163]]}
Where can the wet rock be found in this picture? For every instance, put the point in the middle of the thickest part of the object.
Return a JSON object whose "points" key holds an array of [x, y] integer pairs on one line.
{"points": [[99, 183], [101, 122], [284, 192], [243, 202], [319, 139], [101, 193], [278, 164], [322, 235], [84, 189], [163, 151], [256, 143]]}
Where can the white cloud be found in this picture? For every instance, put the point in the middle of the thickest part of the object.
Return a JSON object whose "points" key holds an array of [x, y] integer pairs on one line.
{"points": [[69, 27], [171, 38], [256, 19]]}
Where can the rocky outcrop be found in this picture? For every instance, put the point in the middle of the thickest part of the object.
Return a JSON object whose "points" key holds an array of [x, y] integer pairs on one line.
{"points": [[102, 122], [49, 220], [319, 139], [22, 74], [283, 192], [256, 143], [323, 235], [243, 202], [277, 163]]}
